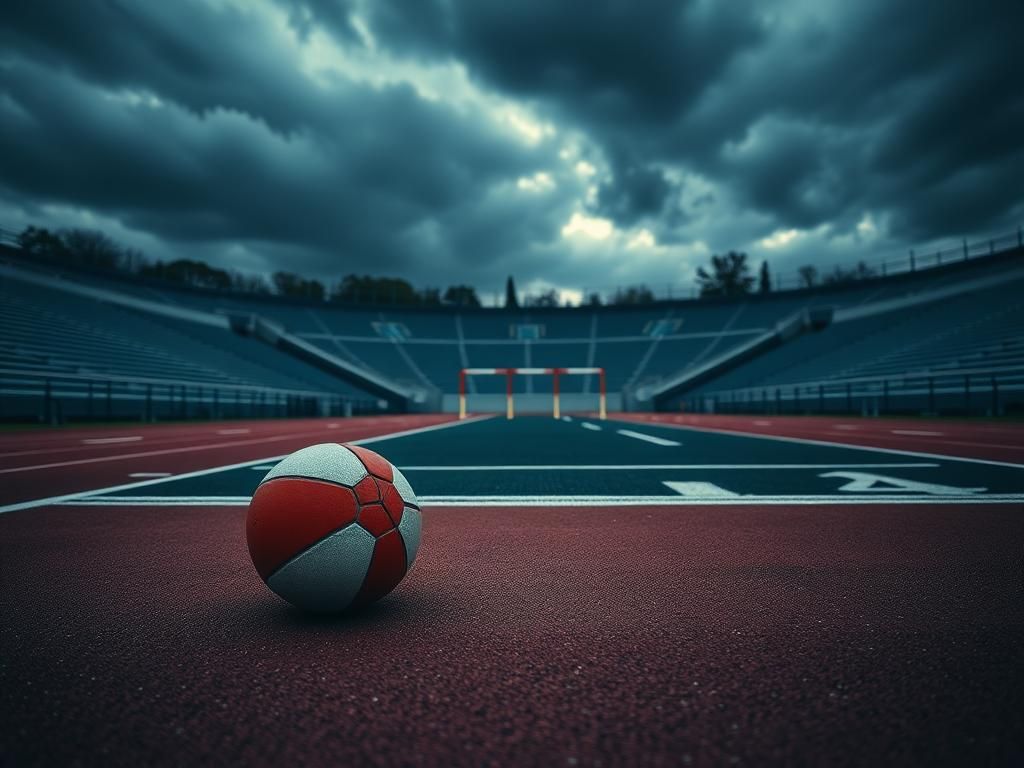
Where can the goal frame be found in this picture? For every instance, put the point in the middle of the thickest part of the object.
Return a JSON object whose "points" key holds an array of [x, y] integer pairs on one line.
{"points": [[555, 373]]}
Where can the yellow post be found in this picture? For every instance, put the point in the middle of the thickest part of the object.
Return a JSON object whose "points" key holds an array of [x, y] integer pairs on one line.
{"points": [[509, 412], [558, 411], [604, 406], [462, 406]]}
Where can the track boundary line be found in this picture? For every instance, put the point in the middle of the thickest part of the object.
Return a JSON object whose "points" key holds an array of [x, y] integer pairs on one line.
{"points": [[647, 438], [623, 467], [827, 443], [212, 470], [580, 501]]}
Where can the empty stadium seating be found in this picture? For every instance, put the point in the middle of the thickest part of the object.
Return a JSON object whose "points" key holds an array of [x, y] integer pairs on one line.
{"points": [[51, 333]]}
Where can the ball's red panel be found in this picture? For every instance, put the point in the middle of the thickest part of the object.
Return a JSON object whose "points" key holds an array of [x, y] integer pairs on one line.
{"points": [[288, 515], [375, 465], [374, 519], [386, 568], [367, 491], [392, 502]]}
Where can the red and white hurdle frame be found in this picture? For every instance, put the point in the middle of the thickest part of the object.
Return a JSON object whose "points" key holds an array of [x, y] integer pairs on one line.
{"points": [[510, 373]]}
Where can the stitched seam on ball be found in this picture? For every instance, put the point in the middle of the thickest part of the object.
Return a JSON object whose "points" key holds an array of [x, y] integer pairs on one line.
{"points": [[339, 485]]}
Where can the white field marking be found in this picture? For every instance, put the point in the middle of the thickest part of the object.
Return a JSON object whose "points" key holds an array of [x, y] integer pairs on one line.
{"points": [[921, 432], [233, 431], [614, 467], [865, 482], [647, 438], [264, 467], [846, 426], [591, 427], [852, 446], [108, 440], [567, 418], [576, 501], [700, 490], [150, 474], [213, 470], [762, 423], [185, 449]]}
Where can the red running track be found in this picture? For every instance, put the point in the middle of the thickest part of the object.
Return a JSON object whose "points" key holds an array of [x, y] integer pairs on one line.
{"points": [[993, 441], [50, 462], [657, 636]]}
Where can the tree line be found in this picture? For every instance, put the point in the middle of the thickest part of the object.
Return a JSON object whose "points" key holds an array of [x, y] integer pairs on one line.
{"points": [[726, 275], [95, 250], [730, 275]]}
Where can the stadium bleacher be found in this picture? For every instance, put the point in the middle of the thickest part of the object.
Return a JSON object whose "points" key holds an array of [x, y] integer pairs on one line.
{"points": [[885, 329]]}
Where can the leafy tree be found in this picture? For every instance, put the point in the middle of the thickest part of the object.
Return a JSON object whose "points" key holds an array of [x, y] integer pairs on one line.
{"points": [[634, 294], [376, 290], [461, 296], [547, 298], [808, 276], [765, 279], [41, 242], [840, 276], [289, 284], [729, 276], [511, 300], [594, 300], [92, 248], [187, 272]]}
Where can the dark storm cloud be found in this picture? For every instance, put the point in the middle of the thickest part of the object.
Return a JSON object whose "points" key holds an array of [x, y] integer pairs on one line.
{"points": [[238, 147], [199, 125], [884, 100]]}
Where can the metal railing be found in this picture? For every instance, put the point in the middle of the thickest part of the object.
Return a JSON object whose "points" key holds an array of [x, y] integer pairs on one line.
{"points": [[985, 391], [914, 260], [41, 395]]}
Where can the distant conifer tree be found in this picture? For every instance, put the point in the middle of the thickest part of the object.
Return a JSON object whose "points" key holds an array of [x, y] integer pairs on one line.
{"points": [[511, 300], [766, 279]]}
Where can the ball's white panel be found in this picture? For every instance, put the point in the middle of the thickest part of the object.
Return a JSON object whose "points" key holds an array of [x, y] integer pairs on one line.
{"points": [[409, 527], [328, 575], [404, 489], [326, 461]]}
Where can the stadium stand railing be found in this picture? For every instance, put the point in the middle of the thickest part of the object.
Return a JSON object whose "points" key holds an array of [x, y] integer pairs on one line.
{"points": [[54, 397], [969, 391]]}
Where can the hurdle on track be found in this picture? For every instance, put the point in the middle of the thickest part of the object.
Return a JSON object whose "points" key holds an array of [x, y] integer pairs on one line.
{"points": [[511, 373]]}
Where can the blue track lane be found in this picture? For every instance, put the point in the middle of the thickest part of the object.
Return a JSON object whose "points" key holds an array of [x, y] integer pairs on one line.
{"points": [[540, 460]]}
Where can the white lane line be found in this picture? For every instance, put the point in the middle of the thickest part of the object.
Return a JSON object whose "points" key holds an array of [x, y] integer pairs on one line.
{"points": [[762, 423], [591, 427], [233, 431], [614, 467], [647, 438], [157, 452], [580, 501], [700, 490], [335, 425], [264, 467], [150, 474], [108, 440], [921, 432], [224, 468], [191, 448], [851, 446]]}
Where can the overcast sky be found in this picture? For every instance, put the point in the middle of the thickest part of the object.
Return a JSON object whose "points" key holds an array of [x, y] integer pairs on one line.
{"points": [[569, 144]]}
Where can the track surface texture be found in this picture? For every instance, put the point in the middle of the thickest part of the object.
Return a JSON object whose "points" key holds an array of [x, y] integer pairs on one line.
{"points": [[764, 616]]}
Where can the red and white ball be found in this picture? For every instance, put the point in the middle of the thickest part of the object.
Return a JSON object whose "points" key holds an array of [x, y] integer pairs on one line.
{"points": [[332, 527]]}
